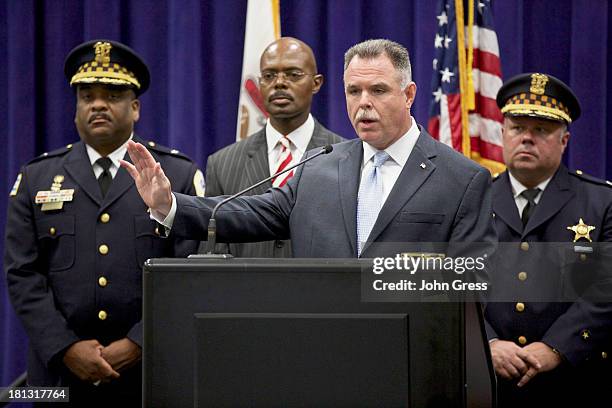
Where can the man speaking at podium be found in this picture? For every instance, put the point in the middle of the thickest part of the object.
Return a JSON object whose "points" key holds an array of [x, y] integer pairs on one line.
{"points": [[394, 184]]}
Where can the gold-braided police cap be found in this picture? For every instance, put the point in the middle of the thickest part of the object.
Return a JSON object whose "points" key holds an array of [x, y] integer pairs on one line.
{"points": [[106, 62], [538, 95]]}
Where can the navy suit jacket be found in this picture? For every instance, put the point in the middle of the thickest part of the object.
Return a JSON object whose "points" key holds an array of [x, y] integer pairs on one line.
{"points": [[440, 196]]}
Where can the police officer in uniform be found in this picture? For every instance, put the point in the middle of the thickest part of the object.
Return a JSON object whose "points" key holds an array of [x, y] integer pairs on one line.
{"points": [[78, 234], [551, 352]]}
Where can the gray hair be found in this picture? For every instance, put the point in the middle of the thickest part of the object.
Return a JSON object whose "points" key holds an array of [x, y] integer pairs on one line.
{"points": [[564, 130], [397, 53]]}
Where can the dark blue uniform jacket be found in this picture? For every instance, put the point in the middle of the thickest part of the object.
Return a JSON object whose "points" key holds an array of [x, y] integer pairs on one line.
{"points": [[570, 317], [76, 273]]}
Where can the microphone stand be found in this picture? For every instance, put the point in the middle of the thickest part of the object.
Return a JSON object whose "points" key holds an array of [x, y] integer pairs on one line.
{"points": [[212, 223]]}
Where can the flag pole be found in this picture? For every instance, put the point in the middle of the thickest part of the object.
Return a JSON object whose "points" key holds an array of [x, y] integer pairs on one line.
{"points": [[276, 18], [470, 56], [463, 79]]}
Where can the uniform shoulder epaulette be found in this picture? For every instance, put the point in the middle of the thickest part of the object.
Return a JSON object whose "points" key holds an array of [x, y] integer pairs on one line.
{"points": [[587, 177], [165, 150], [54, 153]]}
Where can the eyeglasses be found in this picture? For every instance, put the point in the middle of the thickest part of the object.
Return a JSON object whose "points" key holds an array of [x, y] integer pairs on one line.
{"points": [[294, 75]]}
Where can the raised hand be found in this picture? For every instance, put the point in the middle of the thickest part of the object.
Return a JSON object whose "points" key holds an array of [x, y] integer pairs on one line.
{"points": [[151, 182]]}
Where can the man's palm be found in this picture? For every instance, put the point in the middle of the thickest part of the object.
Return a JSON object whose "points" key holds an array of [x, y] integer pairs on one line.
{"points": [[151, 182]]}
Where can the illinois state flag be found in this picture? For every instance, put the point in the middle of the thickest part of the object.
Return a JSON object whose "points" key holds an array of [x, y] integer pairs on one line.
{"points": [[262, 28], [467, 75]]}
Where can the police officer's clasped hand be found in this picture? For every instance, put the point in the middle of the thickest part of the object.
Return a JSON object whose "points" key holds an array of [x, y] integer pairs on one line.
{"points": [[84, 359], [122, 354]]}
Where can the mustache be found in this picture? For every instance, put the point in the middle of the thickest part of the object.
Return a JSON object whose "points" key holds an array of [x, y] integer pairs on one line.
{"points": [[280, 94], [98, 116], [363, 114]]}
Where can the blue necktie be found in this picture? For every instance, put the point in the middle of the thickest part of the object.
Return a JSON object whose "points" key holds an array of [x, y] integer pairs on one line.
{"points": [[370, 199]]}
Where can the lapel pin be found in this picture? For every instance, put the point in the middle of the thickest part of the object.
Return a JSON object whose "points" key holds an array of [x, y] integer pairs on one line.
{"points": [[423, 165]]}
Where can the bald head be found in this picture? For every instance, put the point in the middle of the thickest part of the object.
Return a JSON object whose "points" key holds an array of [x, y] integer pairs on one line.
{"points": [[290, 45], [288, 82]]}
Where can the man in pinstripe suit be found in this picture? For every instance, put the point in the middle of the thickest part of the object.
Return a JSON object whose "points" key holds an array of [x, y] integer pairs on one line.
{"points": [[288, 82]]}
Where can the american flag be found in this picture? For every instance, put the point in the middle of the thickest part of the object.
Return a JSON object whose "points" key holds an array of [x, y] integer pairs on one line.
{"points": [[485, 118]]}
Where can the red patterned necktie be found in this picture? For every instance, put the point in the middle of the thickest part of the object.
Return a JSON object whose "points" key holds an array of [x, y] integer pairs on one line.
{"points": [[284, 160]]}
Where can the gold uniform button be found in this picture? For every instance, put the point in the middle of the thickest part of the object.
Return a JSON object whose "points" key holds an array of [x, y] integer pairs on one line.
{"points": [[525, 246], [104, 218], [157, 231], [69, 146], [604, 355], [52, 231], [583, 257], [579, 172], [520, 307], [522, 276], [102, 281], [152, 144], [522, 340], [103, 249], [102, 315]]}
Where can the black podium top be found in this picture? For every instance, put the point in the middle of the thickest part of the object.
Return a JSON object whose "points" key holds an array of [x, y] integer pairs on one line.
{"points": [[295, 332]]}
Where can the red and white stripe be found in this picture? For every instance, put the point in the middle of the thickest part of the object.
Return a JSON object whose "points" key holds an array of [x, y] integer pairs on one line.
{"points": [[284, 160], [485, 121]]}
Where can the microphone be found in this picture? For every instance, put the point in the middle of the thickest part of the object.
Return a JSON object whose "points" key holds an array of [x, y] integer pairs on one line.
{"points": [[212, 223]]}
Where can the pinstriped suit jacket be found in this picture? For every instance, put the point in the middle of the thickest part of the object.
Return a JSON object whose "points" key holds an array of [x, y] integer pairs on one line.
{"points": [[243, 164]]}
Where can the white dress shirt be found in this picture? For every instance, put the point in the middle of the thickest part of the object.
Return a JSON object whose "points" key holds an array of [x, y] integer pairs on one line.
{"points": [[115, 156], [518, 188], [398, 155], [299, 138]]}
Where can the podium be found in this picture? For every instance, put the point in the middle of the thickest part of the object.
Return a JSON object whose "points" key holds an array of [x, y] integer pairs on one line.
{"points": [[295, 332]]}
